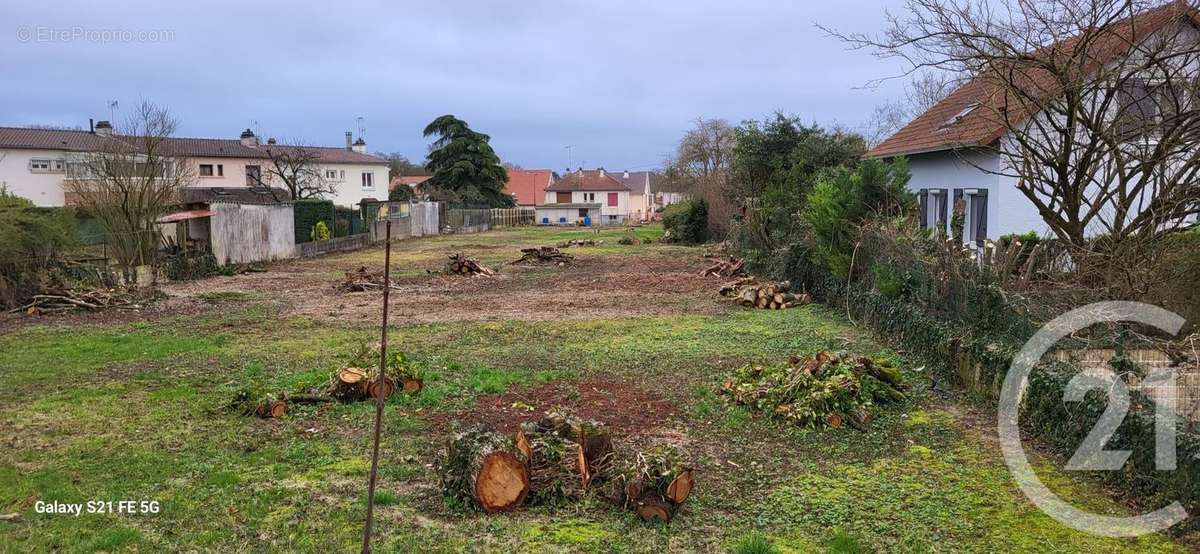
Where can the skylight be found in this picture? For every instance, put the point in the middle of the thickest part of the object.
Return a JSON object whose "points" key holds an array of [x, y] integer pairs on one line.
{"points": [[960, 115]]}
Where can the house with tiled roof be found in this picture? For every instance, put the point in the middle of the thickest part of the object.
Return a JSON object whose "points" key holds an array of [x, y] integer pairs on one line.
{"points": [[957, 150], [641, 197], [592, 197], [528, 186], [35, 162]]}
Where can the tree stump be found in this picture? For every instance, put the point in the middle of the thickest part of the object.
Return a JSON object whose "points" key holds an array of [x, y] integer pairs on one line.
{"points": [[485, 469]]}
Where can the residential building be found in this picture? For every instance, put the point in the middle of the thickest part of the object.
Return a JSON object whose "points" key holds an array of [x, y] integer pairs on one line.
{"points": [[410, 181], [34, 162], [583, 190], [528, 186], [959, 153], [641, 197]]}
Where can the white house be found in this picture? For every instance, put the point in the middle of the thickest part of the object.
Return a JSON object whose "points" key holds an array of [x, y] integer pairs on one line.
{"points": [[959, 151], [577, 194], [34, 162]]}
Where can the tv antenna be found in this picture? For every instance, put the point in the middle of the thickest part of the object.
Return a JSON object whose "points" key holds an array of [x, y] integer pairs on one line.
{"points": [[361, 129], [112, 110], [569, 148]]}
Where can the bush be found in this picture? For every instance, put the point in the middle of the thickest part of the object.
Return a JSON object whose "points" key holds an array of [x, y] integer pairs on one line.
{"points": [[181, 266], [307, 213], [686, 222], [31, 241], [319, 232]]}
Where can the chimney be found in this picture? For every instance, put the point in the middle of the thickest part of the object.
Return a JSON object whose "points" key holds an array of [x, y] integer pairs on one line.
{"points": [[625, 175], [248, 139], [104, 128], [271, 140], [349, 145], [602, 172], [92, 125], [359, 146]]}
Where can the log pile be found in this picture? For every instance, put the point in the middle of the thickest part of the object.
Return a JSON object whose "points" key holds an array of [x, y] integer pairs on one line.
{"points": [[485, 470], [460, 264], [345, 385], [820, 390], [654, 484], [768, 296], [733, 267], [562, 458], [578, 242], [65, 300], [362, 280], [544, 255]]}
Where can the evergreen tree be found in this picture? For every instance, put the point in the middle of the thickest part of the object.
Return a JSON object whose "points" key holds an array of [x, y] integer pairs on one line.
{"points": [[463, 166]]}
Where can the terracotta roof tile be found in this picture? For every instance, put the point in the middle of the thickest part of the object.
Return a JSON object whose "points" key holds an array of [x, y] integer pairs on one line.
{"points": [[587, 180], [86, 141], [528, 185]]}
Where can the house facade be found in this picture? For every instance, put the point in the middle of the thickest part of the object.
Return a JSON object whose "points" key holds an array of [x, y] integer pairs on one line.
{"points": [[34, 163], [583, 189], [961, 156], [641, 197]]}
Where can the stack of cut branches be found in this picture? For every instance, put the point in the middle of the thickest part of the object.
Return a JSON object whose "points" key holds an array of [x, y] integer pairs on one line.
{"points": [[823, 389], [654, 484], [769, 296], [362, 280], [733, 267], [65, 300], [544, 255], [561, 458], [578, 242], [460, 264]]}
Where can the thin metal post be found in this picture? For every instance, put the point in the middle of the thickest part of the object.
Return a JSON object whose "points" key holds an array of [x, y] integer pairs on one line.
{"points": [[382, 380]]}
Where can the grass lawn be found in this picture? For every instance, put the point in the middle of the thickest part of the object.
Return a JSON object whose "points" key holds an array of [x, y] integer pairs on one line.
{"points": [[133, 409]]}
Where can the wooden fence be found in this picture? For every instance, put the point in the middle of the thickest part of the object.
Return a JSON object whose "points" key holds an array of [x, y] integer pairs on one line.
{"points": [[513, 217], [244, 233]]}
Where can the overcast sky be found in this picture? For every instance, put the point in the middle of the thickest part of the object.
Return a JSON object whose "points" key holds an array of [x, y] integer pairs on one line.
{"points": [[618, 80]]}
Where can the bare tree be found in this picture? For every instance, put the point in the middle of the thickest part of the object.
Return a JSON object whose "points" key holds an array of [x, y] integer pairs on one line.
{"points": [[131, 181], [294, 167], [1097, 101], [701, 167], [921, 93]]}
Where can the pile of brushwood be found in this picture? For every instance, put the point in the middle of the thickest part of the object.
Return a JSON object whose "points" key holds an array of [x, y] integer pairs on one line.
{"points": [[733, 267], [362, 280], [820, 390], [544, 255], [767, 296], [345, 385], [460, 264], [561, 458], [54, 300], [578, 242]]}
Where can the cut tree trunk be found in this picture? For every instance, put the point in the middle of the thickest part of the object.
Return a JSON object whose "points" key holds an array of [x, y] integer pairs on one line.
{"points": [[485, 469]]}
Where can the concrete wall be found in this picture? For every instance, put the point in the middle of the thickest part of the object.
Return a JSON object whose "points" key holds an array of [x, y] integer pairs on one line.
{"points": [[243, 233], [44, 188]]}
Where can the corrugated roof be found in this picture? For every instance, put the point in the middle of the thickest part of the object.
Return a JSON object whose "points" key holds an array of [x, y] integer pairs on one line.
{"points": [[597, 180], [968, 116], [86, 141]]}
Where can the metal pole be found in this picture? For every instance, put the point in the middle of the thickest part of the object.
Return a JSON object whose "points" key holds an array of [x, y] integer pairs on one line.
{"points": [[382, 379]]}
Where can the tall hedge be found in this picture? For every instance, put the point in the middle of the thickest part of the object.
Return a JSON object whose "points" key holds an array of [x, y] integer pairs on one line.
{"points": [[687, 222], [307, 213]]}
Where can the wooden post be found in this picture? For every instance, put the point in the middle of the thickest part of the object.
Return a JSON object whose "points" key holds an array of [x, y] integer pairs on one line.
{"points": [[379, 398]]}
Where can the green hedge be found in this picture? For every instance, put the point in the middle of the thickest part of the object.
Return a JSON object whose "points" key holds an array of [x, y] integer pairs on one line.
{"points": [[686, 222], [942, 345], [306, 215]]}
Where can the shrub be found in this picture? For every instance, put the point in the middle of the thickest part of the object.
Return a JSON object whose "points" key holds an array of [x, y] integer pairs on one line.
{"points": [[194, 265], [320, 231], [306, 214], [686, 222], [31, 241], [755, 543]]}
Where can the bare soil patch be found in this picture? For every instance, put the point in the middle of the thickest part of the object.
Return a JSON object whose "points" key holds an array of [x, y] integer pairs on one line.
{"points": [[624, 408]]}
